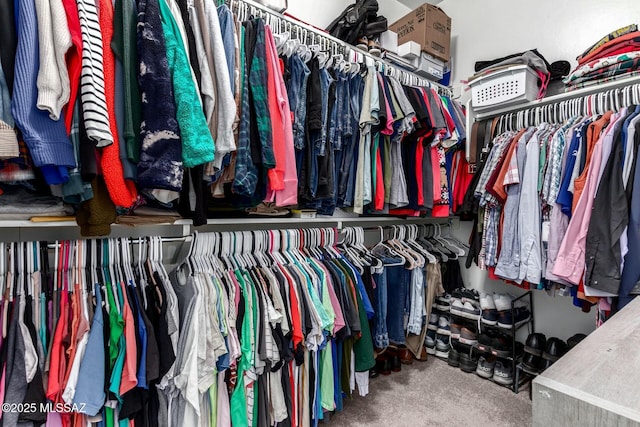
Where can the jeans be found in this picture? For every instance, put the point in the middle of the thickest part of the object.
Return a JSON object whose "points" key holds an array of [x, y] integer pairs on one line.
{"points": [[350, 161], [417, 311], [5, 100], [298, 99], [380, 333], [325, 81], [227, 27], [398, 281]]}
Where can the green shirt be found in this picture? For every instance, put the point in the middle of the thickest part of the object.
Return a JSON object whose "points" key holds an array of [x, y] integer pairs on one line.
{"points": [[197, 142]]}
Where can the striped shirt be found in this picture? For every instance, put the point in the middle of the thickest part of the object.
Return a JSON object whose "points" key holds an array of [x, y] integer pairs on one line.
{"points": [[94, 106]]}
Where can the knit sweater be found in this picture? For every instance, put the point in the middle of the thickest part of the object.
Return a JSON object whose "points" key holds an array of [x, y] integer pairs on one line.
{"points": [[94, 106], [160, 165], [47, 139], [54, 40], [197, 143], [123, 193]]}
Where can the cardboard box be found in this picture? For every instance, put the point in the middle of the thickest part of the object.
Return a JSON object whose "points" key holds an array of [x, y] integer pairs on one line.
{"points": [[428, 26]]}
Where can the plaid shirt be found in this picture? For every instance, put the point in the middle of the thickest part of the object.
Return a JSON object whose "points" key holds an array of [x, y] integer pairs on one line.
{"points": [[500, 145], [553, 173], [246, 172], [484, 216], [492, 222], [258, 81]]}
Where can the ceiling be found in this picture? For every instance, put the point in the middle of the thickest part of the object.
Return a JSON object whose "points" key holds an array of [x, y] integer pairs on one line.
{"points": [[412, 4]]}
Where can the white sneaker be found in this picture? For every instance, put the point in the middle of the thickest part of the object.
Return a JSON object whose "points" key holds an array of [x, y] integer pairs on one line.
{"points": [[433, 322], [487, 302], [502, 302], [457, 307], [444, 326], [466, 310]]}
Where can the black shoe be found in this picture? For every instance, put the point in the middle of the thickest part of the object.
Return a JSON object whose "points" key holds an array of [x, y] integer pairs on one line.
{"points": [[484, 343], [468, 362], [502, 373], [374, 372], [508, 319], [454, 358], [465, 294], [574, 340], [535, 344], [556, 348], [396, 364], [531, 364], [501, 347], [383, 365]]}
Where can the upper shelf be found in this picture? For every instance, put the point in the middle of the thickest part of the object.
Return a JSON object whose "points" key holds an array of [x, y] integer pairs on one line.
{"points": [[578, 93], [68, 230]]}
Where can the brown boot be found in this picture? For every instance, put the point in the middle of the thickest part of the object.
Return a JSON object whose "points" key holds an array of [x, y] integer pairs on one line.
{"points": [[406, 357]]}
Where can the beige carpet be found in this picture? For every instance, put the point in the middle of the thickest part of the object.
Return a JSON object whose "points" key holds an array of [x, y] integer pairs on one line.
{"points": [[434, 394]]}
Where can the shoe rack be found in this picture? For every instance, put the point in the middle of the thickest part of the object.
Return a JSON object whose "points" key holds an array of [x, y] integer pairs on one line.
{"points": [[520, 377]]}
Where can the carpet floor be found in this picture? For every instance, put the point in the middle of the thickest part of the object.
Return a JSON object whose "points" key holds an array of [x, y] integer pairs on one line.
{"points": [[434, 394]]}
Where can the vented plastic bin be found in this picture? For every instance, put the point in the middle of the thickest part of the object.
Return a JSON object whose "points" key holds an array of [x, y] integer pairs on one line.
{"points": [[513, 85]]}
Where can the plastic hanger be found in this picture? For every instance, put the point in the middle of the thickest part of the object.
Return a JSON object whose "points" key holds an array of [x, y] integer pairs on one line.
{"points": [[391, 251], [3, 267], [12, 270]]}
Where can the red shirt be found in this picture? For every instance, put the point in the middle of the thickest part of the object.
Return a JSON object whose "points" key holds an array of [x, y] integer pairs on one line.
{"points": [[123, 193], [73, 57]]}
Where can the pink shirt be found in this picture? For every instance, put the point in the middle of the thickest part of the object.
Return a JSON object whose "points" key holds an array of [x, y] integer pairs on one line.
{"points": [[570, 262], [129, 372], [339, 322], [288, 195]]}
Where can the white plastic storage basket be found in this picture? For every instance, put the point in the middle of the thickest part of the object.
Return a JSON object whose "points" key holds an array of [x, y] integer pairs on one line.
{"points": [[512, 85]]}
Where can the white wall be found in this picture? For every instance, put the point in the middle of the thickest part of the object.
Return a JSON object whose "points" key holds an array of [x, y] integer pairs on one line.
{"points": [[559, 29], [321, 13]]}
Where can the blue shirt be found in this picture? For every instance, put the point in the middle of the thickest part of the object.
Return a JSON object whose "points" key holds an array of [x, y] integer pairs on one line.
{"points": [[565, 197]]}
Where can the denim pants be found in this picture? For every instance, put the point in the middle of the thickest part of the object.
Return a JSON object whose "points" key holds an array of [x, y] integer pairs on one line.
{"points": [[325, 82], [5, 100], [297, 91], [398, 282], [380, 333], [417, 310]]}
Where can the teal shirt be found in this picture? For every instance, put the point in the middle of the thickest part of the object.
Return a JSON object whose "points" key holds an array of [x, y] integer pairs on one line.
{"points": [[197, 143]]}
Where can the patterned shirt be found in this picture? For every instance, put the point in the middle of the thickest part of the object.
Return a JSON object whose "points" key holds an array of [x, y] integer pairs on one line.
{"points": [[553, 173], [500, 145], [258, 86], [246, 172], [492, 223]]}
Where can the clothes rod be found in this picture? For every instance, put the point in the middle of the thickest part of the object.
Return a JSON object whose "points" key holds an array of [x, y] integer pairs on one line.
{"points": [[345, 46]]}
